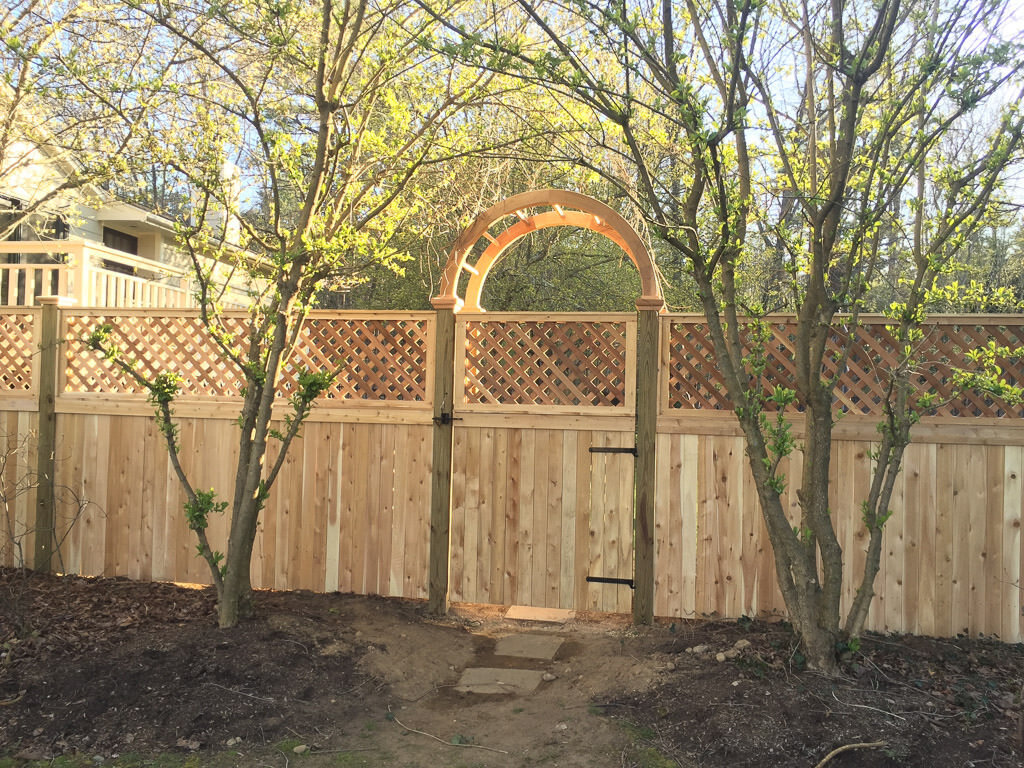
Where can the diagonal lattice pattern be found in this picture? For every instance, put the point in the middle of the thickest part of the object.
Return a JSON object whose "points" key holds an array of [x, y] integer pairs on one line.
{"points": [[381, 359], [695, 381], [157, 344], [545, 363], [17, 347]]}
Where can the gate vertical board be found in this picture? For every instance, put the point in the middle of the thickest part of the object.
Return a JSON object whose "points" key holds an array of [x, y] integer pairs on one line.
{"points": [[569, 447], [581, 547], [499, 509], [1012, 603]]}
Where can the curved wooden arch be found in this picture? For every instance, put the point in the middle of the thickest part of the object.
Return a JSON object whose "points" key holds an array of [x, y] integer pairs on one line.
{"points": [[569, 209]]}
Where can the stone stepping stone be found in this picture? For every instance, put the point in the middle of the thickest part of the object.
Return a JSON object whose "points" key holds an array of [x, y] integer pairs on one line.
{"points": [[528, 646], [504, 681]]}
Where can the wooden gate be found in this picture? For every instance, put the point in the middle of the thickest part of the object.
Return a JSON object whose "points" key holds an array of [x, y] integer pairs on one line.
{"points": [[570, 382], [543, 453]]}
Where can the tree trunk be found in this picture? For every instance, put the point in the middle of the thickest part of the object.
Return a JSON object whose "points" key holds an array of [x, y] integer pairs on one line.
{"points": [[819, 643], [236, 602]]}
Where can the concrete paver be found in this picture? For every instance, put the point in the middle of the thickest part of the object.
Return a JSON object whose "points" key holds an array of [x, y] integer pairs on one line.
{"points": [[506, 681], [528, 646]]}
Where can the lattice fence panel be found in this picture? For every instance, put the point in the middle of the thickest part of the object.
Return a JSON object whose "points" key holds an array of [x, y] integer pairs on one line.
{"points": [[157, 344], [381, 359], [695, 380], [17, 348], [546, 363]]}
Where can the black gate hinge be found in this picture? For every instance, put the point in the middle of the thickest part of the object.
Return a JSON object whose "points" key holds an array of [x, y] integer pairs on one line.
{"points": [[608, 449], [609, 580]]}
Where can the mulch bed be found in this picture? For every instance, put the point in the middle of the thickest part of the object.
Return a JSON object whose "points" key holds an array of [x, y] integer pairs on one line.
{"points": [[109, 665], [101, 666], [933, 702]]}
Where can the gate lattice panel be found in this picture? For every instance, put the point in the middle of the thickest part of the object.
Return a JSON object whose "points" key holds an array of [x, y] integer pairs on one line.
{"points": [[546, 363]]}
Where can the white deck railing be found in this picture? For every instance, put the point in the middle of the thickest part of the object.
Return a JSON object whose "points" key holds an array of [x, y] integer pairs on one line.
{"points": [[79, 273]]}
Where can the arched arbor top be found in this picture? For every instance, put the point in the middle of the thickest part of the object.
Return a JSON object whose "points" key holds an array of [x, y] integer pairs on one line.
{"points": [[537, 210]]}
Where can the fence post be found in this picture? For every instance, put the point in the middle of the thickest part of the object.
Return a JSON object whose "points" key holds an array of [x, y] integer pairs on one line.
{"points": [[49, 354], [441, 465], [647, 353]]}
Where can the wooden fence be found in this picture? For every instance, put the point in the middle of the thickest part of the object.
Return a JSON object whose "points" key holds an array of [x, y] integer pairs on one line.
{"points": [[544, 413]]}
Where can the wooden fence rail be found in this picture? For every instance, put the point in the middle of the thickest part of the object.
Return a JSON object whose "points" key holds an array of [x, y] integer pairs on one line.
{"points": [[533, 510]]}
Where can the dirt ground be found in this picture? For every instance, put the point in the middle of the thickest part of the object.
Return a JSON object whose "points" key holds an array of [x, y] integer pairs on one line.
{"points": [[112, 672]]}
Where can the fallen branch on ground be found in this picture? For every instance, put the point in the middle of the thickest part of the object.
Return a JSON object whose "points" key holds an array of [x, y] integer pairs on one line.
{"points": [[15, 700], [391, 716], [240, 693], [847, 748]]}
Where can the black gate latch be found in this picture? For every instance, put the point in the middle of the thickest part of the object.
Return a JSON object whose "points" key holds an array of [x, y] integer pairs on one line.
{"points": [[445, 419]]}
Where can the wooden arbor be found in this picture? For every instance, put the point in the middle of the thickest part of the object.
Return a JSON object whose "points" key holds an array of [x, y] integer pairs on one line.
{"points": [[536, 210]]}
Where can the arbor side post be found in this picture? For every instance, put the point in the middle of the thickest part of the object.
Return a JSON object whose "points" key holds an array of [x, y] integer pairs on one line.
{"points": [[647, 353], [49, 354], [441, 465]]}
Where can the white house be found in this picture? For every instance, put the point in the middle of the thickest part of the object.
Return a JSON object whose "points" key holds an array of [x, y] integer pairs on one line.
{"points": [[85, 244]]}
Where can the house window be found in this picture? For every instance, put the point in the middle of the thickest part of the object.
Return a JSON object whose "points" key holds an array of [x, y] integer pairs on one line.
{"points": [[120, 241]]}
